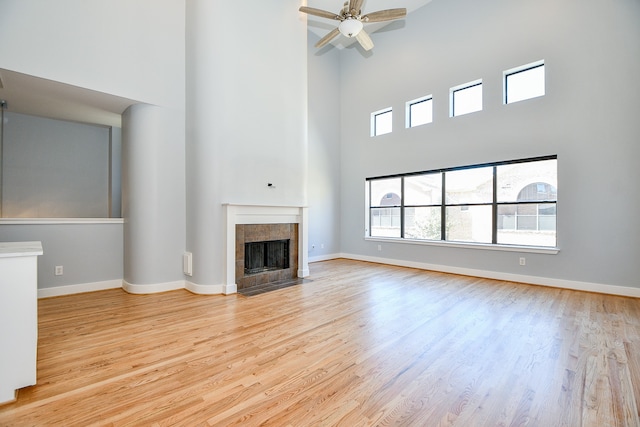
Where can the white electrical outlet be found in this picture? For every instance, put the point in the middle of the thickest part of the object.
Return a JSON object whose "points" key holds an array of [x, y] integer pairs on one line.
{"points": [[523, 261], [379, 247], [321, 245], [59, 270]]}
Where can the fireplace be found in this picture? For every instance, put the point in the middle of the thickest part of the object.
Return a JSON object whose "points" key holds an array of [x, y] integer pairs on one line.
{"points": [[265, 253], [264, 223], [266, 256]]}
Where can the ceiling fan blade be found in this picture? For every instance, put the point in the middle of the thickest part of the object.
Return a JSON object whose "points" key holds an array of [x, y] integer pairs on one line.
{"points": [[364, 40], [326, 39], [354, 7], [385, 15], [319, 12]]}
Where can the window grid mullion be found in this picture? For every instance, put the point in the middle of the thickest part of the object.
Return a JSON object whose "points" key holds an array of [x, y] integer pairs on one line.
{"points": [[370, 209], [443, 210], [402, 207], [494, 208]]}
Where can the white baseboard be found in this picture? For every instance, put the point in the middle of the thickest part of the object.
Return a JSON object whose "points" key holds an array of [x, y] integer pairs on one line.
{"points": [[532, 280], [137, 289], [326, 257], [210, 289], [231, 289], [79, 288], [153, 287], [303, 272]]}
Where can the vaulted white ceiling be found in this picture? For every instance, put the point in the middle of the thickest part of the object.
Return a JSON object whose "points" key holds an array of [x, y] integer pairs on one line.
{"points": [[40, 97]]}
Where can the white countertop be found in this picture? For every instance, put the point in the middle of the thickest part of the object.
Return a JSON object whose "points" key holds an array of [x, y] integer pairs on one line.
{"points": [[18, 249]]}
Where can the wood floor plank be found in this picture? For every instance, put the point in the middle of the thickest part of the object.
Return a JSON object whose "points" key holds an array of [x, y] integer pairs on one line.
{"points": [[362, 344]]}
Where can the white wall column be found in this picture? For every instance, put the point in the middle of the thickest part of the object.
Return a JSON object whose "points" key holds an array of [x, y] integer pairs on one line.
{"points": [[245, 125], [152, 199]]}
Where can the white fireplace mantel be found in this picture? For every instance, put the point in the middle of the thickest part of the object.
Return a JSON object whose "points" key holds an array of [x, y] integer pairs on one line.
{"points": [[262, 214]]}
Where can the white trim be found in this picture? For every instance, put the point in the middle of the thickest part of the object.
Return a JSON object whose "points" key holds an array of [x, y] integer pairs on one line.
{"points": [[626, 291], [326, 257], [47, 221], [79, 288], [230, 289], [137, 289], [206, 289], [152, 288], [469, 245], [519, 68], [302, 272]]}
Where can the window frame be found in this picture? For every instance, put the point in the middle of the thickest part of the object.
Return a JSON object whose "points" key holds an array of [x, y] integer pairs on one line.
{"points": [[517, 70], [374, 118], [459, 88], [408, 113], [494, 204]]}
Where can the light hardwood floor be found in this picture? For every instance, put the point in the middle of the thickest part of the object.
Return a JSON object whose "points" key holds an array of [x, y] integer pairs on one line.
{"points": [[362, 344]]}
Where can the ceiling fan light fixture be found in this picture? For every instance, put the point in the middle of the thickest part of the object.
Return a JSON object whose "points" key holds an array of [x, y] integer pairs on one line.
{"points": [[350, 27]]}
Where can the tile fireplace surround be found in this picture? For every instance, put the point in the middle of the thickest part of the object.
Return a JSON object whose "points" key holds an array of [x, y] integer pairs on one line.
{"points": [[275, 221], [248, 233]]}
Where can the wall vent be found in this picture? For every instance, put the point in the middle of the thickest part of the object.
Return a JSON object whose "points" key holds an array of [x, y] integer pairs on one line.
{"points": [[187, 263]]}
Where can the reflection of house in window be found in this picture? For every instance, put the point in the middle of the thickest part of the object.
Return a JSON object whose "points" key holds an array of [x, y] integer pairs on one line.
{"points": [[386, 220], [528, 215], [390, 199]]}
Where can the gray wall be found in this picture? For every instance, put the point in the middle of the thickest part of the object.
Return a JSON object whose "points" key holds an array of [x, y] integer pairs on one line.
{"points": [[324, 150], [89, 253], [55, 169], [44, 39], [588, 117], [65, 163]]}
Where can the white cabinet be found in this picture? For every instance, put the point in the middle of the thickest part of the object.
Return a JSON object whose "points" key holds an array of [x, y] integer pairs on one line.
{"points": [[18, 316]]}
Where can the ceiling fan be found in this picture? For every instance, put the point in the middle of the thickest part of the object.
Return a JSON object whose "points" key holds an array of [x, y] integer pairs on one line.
{"points": [[351, 21]]}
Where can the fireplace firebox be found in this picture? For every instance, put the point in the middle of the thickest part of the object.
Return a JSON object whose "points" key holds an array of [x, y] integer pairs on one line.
{"points": [[266, 256]]}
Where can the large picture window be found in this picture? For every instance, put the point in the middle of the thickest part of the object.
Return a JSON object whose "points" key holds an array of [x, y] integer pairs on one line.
{"points": [[505, 203]]}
